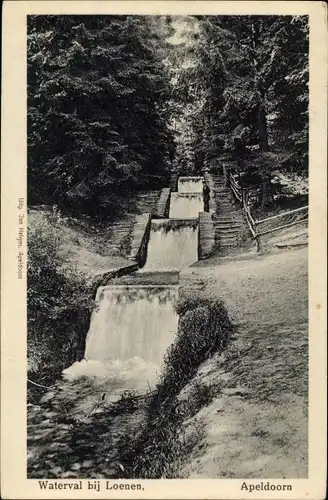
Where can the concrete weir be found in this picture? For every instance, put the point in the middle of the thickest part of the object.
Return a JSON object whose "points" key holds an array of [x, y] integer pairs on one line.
{"points": [[190, 184], [172, 244], [134, 321]]}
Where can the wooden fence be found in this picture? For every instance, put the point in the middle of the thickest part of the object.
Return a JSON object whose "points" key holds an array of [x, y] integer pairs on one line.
{"points": [[246, 198]]}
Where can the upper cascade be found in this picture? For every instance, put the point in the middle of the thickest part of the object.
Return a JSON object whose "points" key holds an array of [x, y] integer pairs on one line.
{"points": [[190, 184]]}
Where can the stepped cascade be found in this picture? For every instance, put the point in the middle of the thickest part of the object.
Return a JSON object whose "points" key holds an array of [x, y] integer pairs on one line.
{"points": [[138, 321], [186, 205], [172, 244], [190, 185]]}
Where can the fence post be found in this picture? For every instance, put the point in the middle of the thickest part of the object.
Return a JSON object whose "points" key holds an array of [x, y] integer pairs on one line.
{"points": [[226, 175], [259, 246]]}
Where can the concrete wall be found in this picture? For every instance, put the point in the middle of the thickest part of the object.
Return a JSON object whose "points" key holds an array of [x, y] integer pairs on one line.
{"points": [[102, 279], [140, 239], [163, 204], [206, 237], [210, 183], [174, 183]]}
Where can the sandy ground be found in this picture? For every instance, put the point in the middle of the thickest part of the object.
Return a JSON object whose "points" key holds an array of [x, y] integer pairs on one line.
{"points": [[257, 424]]}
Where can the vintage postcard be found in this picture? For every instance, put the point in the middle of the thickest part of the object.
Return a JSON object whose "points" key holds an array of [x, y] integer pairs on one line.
{"points": [[164, 223]]}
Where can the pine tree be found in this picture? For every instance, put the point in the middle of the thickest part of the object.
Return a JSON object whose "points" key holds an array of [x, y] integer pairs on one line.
{"points": [[97, 120], [252, 77]]}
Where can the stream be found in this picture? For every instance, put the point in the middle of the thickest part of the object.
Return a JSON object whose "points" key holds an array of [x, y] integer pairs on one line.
{"points": [[132, 325]]}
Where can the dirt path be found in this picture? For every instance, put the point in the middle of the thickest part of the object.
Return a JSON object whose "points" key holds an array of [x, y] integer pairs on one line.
{"points": [[257, 424]]}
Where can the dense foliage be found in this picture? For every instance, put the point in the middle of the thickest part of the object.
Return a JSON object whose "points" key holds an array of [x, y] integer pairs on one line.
{"points": [[108, 96], [59, 305], [246, 91], [97, 109]]}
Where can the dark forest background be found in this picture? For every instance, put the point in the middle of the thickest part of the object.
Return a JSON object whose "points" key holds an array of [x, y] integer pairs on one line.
{"points": [[115, 104]]}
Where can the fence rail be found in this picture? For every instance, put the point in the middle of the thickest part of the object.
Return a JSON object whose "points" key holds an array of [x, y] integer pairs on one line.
{"points": [[245, 197], [290, 212], [236, 188]]}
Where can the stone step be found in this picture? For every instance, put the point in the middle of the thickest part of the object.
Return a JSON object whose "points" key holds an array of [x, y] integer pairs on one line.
{"points": [[221, 230], [227, 235], [229, 224], [231, 241], [121, 224], [224, 244], [224, 219], [228, 232]]}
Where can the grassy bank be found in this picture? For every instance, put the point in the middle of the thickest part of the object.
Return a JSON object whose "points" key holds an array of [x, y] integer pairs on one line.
{"points": [[59, 304], [159, 447]]}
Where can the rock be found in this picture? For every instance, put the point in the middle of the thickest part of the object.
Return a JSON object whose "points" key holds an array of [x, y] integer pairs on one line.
{"points": [[68, 474]]}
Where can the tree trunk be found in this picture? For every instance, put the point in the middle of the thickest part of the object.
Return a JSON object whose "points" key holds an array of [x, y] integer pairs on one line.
{"points": [[261, 121], [262, 126]]}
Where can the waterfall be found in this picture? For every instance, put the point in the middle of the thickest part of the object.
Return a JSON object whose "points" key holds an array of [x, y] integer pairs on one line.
{"points": [[186, 205], [130, 330], [190, 185], [173, 244], [132, 325], [132, 321]]}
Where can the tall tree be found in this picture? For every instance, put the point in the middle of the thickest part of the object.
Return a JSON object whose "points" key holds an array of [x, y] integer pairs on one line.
{"points": [[252, 74], [97, 109]]}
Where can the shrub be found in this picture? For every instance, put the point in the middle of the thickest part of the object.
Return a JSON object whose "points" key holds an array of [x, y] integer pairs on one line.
{"points": [[204, 328], [58, 303], [161, 444]]}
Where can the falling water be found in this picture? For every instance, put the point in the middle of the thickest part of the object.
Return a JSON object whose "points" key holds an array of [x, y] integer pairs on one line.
{"points": [[130, 330], [133, 325], [190, 184], [132, 321], [186, 205], [173, 244]]}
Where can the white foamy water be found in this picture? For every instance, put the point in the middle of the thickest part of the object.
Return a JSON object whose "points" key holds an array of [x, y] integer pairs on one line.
{"points": [[132, 321], [186, 205], [115, 376], [172, 244], [190, 185], [130, 331], [132, 326]]}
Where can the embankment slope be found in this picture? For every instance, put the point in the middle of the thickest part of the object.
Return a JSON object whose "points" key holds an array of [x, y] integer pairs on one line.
{"points": [[256, 426]]}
